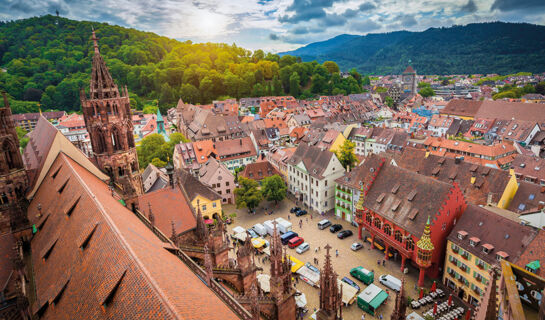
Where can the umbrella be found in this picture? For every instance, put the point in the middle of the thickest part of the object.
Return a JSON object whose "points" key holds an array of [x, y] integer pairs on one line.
{"points": [[435, 308], [434, 287], [450, 300], [209, 221], [468, 314], [421, 293]]}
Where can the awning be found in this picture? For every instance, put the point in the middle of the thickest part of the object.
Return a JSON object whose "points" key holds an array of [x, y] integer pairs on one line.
{"points": [[209, 221], [301, 300], [378, 300]]}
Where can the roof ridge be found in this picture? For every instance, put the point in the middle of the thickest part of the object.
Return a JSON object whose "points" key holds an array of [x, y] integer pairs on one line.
{"points": [[124, 242]]}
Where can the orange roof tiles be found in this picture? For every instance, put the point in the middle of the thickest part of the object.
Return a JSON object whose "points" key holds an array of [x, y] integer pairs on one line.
{"points": [[203, 149], [162, 201], [101, 253]]}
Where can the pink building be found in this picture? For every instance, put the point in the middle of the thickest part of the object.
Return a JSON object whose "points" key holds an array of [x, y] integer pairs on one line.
{"points": [[216, 175]]}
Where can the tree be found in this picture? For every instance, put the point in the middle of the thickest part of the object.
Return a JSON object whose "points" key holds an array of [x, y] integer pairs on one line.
{"points": [[152, 147], [331, 67], [346, 154], [295, 88], [158, 163], [150, 109], [274, 188], [389, 101], [423, 85], [426, 92], [247, 195], [21, 133]]}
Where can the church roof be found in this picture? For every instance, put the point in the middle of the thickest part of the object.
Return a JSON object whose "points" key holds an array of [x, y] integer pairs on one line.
{"points": [[93, 258]]}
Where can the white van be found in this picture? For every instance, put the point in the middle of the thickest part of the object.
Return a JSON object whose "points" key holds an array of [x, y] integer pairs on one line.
{"points": [[260, 229], [390, 282], [324, 224]]}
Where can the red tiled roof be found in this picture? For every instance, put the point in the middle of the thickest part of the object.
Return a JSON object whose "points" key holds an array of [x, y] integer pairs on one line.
{"points": [[259, 170], [162, 201], [122, 261]]}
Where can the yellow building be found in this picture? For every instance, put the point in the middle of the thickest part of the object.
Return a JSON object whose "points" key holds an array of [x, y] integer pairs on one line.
{"points": [[201, 196], [478, 241], [337, 143], [509, 192]]}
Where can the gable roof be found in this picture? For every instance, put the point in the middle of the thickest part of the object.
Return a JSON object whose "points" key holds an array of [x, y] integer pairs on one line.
{"points": [[259, 170], [502, 233], [209, 168], [315, 159], [462, 107], [507, 110], [103, 252], [194, 187], [428, 200]]}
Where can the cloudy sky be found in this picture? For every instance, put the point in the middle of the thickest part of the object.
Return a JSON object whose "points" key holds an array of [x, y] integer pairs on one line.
{"points": [[278, 25]]}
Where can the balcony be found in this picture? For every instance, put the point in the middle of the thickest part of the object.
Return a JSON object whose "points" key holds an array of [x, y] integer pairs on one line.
{"points": [[464, 268], [465, 255], [480, 265], [391, 242], [455, 250]]}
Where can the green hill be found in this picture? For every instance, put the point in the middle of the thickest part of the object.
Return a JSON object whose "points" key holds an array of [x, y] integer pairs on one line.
{"points": [[495, 47], [47, 59]]}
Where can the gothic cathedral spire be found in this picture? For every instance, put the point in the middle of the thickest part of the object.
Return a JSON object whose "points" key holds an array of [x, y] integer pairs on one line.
{"points": [[107, 115]]}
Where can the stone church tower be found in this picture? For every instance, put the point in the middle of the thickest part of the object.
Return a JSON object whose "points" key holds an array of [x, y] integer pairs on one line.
{"points": [[107, 115], [13, 176]]}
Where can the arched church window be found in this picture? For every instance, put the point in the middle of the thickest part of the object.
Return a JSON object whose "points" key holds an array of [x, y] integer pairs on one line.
{"points": [[120, 172], [116, 139], [130, 138], [4, 198]]}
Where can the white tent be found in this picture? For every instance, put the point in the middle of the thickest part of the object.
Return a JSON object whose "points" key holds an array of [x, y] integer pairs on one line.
{"points": [[264, 282], [300, 300]]}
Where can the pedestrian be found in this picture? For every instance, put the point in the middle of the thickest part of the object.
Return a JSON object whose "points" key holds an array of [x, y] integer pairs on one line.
{"points": [[363, 317], [296, 279], [336, 252], [311, 216], [383, 262], [380, 317], [316, 250], [289, 217], [307, 219], [378, 262]]}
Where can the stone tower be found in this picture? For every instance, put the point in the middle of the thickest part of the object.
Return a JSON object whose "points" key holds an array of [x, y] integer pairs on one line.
{"points": [[409, 80], [330, 296], [400, 308], [486, 310], [280, 283], [107, 115], [13, 176]]}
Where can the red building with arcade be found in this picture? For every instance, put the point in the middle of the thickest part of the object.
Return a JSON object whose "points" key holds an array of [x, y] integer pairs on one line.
{"points": [[409, 214]]}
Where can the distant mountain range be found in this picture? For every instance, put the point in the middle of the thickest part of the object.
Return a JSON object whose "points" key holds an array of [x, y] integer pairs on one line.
{"points": [[495, 47]]}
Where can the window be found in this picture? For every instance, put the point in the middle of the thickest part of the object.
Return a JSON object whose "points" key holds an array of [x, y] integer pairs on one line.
{"points": [[219, 191], [228, 191], [213, 204], [204, 207], [325, 203], [326, 181], [326, 193]]}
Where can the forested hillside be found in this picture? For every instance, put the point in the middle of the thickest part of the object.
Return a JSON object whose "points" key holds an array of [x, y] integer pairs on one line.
{"points": [[495, 47], [47, 59]]}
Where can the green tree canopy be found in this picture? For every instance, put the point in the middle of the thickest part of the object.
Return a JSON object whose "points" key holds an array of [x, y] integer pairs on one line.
{"points": [[247, 195], [274, 188], [389, 101], [346, 154], [426, 92]]}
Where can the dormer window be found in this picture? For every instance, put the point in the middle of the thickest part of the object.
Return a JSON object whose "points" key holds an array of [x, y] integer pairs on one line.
{"points": [[501, 255], [487, 248], [462, 234], [474, 241]]}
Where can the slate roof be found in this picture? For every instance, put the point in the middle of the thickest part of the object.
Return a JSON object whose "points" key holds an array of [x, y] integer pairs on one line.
{"points": [[92, 253], [314, 159], [194, 187], [504, 234], [428, 200]]}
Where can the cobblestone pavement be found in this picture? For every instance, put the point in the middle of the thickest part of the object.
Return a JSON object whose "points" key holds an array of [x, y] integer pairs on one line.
{"points": [[342, 264]]}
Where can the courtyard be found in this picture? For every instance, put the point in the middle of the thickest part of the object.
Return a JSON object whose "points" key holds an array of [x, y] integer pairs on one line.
{"points": [[346, 260]]}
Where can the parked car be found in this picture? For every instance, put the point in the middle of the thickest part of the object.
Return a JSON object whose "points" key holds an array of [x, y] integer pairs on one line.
{"points": [[300, 213], [324, 224], [302, 248], [334, 228], [356, 246], [390, 282], [350, 282], [295, 209], [312, 267], [295, 242], [252, 233], [344, 234], [286, 237]]}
